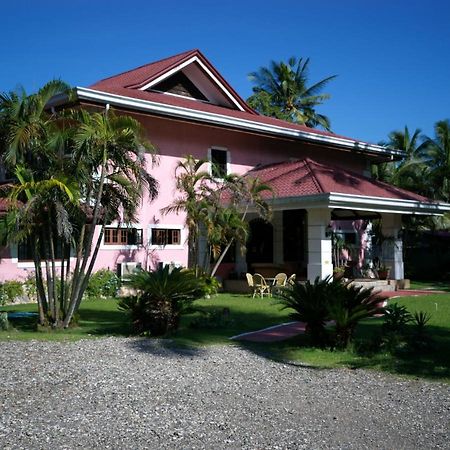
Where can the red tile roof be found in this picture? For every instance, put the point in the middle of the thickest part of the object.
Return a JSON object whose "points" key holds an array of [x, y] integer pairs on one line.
{"points": [[127, 84], [309, 177], [135, 79]]}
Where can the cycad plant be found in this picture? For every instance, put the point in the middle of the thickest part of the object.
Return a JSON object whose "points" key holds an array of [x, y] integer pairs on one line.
{"points": [[163, 296], [309, 301], [351, 305], [333, 301]]}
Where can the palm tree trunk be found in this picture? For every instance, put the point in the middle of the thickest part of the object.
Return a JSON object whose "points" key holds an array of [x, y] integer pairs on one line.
{"points": [[222, 255]]}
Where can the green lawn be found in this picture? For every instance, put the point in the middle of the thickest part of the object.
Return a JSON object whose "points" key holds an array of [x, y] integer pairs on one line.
{"points": [[238, 314], [433, 363]]}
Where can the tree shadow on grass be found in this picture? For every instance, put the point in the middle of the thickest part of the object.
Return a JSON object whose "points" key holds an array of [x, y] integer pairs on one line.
{"points": [[104, 322]]}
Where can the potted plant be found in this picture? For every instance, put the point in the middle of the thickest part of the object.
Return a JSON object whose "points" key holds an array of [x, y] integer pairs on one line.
{"points": [[383, 272], [338, 272]]}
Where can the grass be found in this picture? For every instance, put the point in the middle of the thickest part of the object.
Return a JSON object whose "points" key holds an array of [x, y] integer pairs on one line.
{"points": [[238, 314], [97, 318], [432, 364]]}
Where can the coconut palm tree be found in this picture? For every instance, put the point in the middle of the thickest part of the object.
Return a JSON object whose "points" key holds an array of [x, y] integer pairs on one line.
{"points": [[437, 155], [282, 91]]}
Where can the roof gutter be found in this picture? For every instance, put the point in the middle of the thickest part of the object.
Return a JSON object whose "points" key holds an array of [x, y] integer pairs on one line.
{"points": [[362, 203], [219, 119]]}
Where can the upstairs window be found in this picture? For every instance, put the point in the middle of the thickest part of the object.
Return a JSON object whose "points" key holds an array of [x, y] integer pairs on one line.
{"points": [[219, 163], [166, 236], [123, 236]]}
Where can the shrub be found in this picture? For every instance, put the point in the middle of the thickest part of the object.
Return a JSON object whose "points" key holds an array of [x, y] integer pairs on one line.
{"points": [[330, 300], [163, 295], [210, 285], [395, 318], [212, 320], [9, 291], [310, 304], [4, 324], [350, 305], [103, 283]]}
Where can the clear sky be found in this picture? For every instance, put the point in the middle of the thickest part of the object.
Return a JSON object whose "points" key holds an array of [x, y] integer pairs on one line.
{"points": [[392, 57]]}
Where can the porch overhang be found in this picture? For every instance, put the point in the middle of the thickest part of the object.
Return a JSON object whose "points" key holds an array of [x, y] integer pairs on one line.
{"points": [[363, 203], [310, 184]]}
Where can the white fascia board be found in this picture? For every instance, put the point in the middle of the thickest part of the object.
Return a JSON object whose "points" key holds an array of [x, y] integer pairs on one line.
{"points": [[219, 119], [361, 203], [383, 204], [186, 63]]}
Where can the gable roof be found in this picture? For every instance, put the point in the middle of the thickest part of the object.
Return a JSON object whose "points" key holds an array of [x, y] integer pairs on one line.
{"points": [[343, 188], [148, 75], [133, 90]]}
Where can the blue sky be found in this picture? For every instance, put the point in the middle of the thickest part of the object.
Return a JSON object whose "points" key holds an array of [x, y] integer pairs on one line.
{"points": [[392, 58]]}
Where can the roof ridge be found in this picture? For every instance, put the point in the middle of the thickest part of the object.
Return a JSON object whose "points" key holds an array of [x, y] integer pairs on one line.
{"points": [[147, 64], [308, 162]]}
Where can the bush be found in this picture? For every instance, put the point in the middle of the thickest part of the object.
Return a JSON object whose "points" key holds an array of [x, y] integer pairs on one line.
{"points": [[103, 283], [9, 291], [330, 300], [213, 320], [163, 296], [210, 285]]}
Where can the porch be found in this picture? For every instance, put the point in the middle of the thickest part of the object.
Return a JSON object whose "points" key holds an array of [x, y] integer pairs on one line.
{"points": [[311, 202]]}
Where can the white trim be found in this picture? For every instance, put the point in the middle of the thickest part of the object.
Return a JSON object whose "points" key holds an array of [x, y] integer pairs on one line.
{"points": [[183, 236], [220, 119], [362, 203], [187, 63]]}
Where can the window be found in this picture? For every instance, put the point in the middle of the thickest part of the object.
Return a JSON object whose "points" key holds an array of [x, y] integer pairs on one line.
{"points": [[123, 236], [166, 236], [219, 160], [25, 250]]}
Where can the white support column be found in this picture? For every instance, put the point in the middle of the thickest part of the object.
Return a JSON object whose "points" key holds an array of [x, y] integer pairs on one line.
{"points": [[319, 245], [277, 222], [392, 249]]}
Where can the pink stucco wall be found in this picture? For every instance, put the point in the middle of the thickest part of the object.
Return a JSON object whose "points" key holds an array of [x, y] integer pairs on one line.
{"points": [[173, 139]]}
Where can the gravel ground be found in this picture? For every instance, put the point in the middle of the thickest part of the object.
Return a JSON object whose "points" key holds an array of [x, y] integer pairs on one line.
{"points": [[119, 393]]}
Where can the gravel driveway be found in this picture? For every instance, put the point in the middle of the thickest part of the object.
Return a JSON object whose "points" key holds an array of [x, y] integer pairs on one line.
{"points": [[133, 394]]}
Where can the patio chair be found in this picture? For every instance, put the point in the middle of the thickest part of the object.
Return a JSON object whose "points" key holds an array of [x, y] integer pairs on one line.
{"points": [[250, 282], [261, 287], [291, 279], [279, 282]]}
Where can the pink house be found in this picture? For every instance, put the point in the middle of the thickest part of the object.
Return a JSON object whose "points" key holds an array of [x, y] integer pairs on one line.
{"points": [[188, 108]]}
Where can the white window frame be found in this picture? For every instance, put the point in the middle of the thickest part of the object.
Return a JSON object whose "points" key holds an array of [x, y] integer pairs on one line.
{"points": [[183, 236], [224, 149], [115, 224]]}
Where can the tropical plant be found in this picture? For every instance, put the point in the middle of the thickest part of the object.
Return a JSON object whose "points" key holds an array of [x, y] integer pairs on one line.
{"points": [[74, 171], [328, 300], [349, 306], [215, 207], [163, 296], [437, 156], [103, 283], [396, 317], [309, 301], [10, 291], [282, 91]]}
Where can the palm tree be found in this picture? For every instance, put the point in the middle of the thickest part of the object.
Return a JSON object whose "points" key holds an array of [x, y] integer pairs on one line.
{"points": [[282, 91], [437, 154], [109, 159], [410, 173], [74, 171], [190, 182]]}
